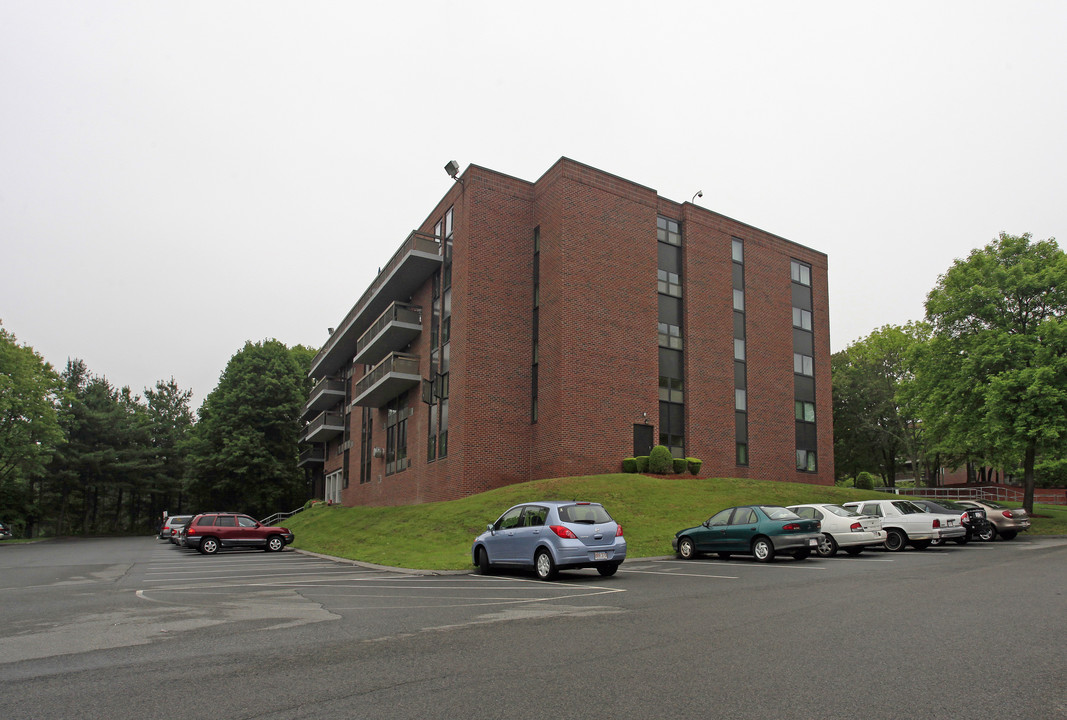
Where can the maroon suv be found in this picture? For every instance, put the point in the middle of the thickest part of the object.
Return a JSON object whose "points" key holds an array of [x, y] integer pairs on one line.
{"points": [[207, 532]]}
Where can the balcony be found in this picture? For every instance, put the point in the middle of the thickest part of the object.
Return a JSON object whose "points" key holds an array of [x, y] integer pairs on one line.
{"points": [[394, 375], [312, 456], [327, 425], [411, 266], [327, 394], [393, 330]]}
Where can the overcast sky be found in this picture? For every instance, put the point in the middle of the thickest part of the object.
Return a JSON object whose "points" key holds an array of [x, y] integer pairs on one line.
{"points": [[179, 177]]}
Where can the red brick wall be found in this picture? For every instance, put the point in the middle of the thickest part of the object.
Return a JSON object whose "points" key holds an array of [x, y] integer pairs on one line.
{"points": [[598, 369]]}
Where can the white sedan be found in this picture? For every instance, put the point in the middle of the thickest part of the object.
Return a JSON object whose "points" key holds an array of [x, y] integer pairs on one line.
{"points": [[842, 528]]}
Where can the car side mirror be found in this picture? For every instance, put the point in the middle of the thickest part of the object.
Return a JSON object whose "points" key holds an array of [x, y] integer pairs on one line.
{"points": [[489, 527], [705, 523]]}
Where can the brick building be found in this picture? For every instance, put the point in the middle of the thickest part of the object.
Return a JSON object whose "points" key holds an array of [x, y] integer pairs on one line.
{"points": [[551, 328]]}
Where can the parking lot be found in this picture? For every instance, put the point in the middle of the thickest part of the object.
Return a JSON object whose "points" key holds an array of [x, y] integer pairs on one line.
{"points": [[123, 626]]}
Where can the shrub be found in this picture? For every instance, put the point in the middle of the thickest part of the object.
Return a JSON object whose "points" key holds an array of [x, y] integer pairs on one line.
{"points": [[660, 461], [629, 465], [694, 465], [680, 464], [865, 481], [642, 463]]}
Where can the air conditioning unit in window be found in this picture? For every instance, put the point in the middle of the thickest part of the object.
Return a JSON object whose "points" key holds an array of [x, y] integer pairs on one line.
{"points": [[379, 452]]}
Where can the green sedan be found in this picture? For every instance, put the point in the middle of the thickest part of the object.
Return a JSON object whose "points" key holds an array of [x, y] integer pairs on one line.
{"points": [[762, 531]]}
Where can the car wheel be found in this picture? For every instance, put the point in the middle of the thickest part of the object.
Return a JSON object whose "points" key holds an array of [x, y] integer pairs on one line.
{"points": [[274, 544], [802, 554], [827, 546], [920, 544], [895, 540], [988, 533], [686, 549], [854, 551], [607, 570], [208, 546], [546, 569], [483, 562], [762, 549], [1009, 534]]}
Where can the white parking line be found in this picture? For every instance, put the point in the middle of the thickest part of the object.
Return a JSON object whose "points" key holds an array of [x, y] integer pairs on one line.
{"points": [[767, 566]]}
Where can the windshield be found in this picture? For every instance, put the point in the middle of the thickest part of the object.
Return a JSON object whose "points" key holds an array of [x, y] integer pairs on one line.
{"points": [[907, 508], [996, 505], [778, 513], [840, 511]]}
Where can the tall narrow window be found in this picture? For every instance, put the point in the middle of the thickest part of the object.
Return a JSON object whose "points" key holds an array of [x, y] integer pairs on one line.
{"points": [[669, 283], [535, 353], [737, 256], [803, 367]]}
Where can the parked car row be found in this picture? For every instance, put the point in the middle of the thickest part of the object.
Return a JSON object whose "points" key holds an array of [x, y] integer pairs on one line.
{"points": [[547, 536], [210, 532]]}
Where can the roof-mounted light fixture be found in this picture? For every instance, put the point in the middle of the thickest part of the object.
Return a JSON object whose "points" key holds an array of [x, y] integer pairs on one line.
{"points": [[452, 168]]}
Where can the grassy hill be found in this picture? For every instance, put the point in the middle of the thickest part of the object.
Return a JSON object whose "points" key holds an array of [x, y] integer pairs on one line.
{"points": [[438, 536]]}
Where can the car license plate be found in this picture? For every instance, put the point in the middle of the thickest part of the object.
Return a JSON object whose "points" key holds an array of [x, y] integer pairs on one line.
{"points": [[813, 542], [600, 556]]}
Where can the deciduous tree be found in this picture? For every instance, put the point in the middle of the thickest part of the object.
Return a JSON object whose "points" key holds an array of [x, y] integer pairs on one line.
{"points": [[994, 374]]}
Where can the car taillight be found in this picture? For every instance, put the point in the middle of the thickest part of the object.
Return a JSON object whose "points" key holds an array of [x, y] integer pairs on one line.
{"points": [[563, 532], [791, 526], [964, 518], [937, 523], [618, 531], [1007, 513], [855, 527]]}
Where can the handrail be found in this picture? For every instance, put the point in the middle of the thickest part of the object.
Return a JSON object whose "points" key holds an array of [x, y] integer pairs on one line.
{"points": [[985, 492], [280, 516]]}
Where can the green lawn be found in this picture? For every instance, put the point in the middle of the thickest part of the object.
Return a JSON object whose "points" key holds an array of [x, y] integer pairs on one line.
{"points": [[438, 536]]}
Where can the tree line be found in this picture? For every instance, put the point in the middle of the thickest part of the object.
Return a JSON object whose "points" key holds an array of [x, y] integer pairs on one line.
{"points": [[980, 383], [79, 456]]}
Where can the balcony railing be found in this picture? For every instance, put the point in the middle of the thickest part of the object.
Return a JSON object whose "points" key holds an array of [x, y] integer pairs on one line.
{"points": [[411, 265], [327, 394], [327, 425], [388, 379], [312, 456], [393, 330]]}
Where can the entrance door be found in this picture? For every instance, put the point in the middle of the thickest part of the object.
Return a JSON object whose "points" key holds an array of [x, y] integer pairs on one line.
{"points": [[642, 440]]}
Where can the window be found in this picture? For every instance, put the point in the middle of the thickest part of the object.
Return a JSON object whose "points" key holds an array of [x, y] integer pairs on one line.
{"points": [[806, 460], [802, 318], [668, 231], [741, 399], [739, 300], [800, 272], [803, 364], [738, 250], [739, 349], [805, 411]]}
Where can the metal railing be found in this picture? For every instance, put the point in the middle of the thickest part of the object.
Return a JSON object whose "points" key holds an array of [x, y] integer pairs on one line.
{"points": [[396, 312], [280, 516], [998, 493], [395, 362]]}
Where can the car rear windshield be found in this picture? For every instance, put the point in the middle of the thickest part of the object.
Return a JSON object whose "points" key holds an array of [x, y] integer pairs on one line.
{"points": [[840, 511], [778, 513], [584, 514]]}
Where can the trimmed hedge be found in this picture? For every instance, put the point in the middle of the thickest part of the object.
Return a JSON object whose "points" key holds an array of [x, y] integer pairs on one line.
{"points": [[660, 461], [694, 465], [629, 465], [680, 464], [642, 463]]}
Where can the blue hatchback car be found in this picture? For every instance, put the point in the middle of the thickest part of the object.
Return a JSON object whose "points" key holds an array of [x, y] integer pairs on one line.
{"points": [[549, 536]]}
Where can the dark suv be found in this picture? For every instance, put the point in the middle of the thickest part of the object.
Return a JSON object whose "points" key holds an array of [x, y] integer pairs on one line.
{"points": [[207, 532]]}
